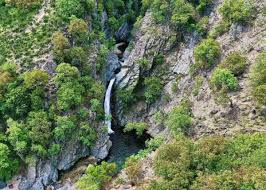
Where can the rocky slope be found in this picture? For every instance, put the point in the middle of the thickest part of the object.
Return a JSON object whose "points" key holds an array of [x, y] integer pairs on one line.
{"points": [[210, 118]]}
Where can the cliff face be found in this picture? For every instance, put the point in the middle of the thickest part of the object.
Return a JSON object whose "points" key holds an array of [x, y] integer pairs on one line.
{"points": [[152, 39], [240, 114]]}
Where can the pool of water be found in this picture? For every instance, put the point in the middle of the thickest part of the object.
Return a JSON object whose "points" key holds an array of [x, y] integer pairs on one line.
{"points": [[124, 145]]}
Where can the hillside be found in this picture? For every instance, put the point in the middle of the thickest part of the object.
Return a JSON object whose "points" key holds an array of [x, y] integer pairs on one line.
{"points": [[186, 76]]}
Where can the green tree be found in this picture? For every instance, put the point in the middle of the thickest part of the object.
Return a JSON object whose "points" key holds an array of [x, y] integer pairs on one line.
{"points": [[40, 131], [18, 137], [64, 127], [207, 53], [8, 165], [78, 29], [69, 95], [236, 10], [60, 46], [35, 78], [223, 79], [78, 57], [66, 73], [66, 8], [179, 119], [153, 89], [97, 176]]}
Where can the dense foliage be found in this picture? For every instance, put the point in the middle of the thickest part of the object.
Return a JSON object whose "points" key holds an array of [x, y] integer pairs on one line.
{"points": [[97, 176], [138, 127], [223, 79], [179, 119], [212, 163], [45, 106], [236, 10], [206, 54]]}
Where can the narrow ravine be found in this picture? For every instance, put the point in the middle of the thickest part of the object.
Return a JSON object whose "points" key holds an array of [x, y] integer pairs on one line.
{"points": [[123, 144]]}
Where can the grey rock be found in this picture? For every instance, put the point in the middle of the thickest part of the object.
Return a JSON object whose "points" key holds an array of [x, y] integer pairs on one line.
{"points": [[106, 28], [123, 33], [45, 172], [74, 153], [235, 31], [112, 67]]}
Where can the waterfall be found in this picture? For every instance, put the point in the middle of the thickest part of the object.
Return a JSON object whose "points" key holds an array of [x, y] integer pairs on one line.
{"points": [[107, 107]]}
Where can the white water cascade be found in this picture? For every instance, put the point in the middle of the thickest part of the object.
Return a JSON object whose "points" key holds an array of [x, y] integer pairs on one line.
{"points": [[107, 107]]}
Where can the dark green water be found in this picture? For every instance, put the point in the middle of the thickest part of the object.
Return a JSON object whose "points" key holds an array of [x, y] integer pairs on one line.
{"points": [[124, 145]]}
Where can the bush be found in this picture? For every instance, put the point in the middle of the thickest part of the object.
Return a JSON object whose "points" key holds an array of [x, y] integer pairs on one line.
{"points": [[66, 8], [236, 63], [179, 119], [180, 12], [236, 10], [8, 165], [258, 79], [245, 178], [212, 162], [97, 176], [153, 89], [172, 162], [78, 29], [35, 78], [223, 80], [139, 127], [133, 169], [207, 53]]}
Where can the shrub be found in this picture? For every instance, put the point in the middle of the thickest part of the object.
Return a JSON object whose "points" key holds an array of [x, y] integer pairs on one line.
{"points": [[258, 79], [236, 10], [78, 57], [8, 165], [66, 73], [180, 12], [97, 176], [60, 46], [153, 89], [35, 78], [172, 162], [133, 169], [207, 53], [243, 178], [69, 95], [78, 29], [223, 80], [144, 63], [139, 127], [66, 8], [235, 62], [179, 119]]}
